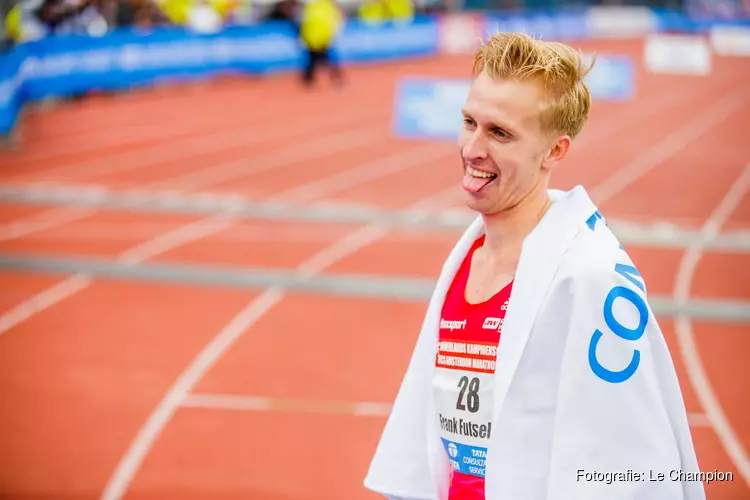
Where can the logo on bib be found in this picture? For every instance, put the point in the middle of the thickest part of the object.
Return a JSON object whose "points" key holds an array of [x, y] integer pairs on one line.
{"points": [[493, 324], [452, 325]]}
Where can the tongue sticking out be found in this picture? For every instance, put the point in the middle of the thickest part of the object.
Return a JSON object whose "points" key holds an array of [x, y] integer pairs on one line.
{"points": [[474, 184]]}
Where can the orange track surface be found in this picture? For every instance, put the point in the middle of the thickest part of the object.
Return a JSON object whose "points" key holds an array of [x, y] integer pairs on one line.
{"points": [[82, 376]]}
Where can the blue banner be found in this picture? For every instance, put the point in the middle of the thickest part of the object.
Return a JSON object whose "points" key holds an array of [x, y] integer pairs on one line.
{"points": [[68, 65], [11, 86], [364, 43]]}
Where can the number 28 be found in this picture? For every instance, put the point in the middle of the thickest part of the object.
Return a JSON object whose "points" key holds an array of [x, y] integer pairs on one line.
{"points": [[470, 389]]}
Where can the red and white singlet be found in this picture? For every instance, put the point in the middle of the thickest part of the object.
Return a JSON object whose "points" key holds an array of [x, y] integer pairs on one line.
{"points": [[463, 382]]}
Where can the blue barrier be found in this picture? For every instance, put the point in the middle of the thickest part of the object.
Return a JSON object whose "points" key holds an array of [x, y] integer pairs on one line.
{"points": [[10, 88], [61, 66]]}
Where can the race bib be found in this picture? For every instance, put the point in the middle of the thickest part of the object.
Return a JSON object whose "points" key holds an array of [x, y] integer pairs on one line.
{"points": [[464, 398]]}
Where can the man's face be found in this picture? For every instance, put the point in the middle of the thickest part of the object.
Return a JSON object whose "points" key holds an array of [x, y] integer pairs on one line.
{"points": [[502, 138]]}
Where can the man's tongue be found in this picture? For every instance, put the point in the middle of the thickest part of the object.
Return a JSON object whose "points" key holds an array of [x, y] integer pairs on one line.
{"points": [[474, 184]]}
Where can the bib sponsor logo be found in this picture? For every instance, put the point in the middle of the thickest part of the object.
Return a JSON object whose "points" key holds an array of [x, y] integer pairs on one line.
{"points": [[452, 325], [493, 324]]}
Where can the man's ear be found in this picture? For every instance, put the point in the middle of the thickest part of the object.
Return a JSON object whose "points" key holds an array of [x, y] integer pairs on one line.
{"points": [[557, 152]]}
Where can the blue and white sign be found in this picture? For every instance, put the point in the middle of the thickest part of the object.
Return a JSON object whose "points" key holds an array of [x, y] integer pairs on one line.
{"points": [[430, 108], [427, 108], [612, 78]]}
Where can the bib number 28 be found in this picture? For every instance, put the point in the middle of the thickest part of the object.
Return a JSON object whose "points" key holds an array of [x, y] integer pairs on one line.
{"points": [[468, 396]]}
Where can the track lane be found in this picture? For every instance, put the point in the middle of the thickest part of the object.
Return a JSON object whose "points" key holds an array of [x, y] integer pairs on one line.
{"points": [[264, 456], [224, 249], [712, 457], [61, 239], [723, 275], [13, 214], [725, 349], [98, 363], [690, 183], [332, 349], [17, 287]]}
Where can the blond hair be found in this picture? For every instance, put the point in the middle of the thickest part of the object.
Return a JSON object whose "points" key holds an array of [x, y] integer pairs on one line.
{"points": [[560, 68]]}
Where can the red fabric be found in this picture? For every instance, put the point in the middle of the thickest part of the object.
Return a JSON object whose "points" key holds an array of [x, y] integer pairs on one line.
{"points": [[469, 336]]}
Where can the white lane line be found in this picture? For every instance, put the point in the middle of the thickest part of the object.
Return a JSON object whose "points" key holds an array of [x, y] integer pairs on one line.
{"points": [[235, 402], [175, 238], [377, 169], [41, 301], [244, 233], [240, 136], [683, 327], [244, 167], [675, 142], [653, 106], [41, 222], [259, 403]]}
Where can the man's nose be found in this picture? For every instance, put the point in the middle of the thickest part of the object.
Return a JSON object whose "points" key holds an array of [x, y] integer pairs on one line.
{"points": [[476, 147]]}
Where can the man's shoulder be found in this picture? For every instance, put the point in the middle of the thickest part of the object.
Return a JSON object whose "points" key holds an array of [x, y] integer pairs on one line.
{"points": [[597, 258]]}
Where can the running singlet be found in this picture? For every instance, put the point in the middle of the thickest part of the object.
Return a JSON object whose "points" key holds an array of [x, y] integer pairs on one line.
{"points": [[463, 381]]}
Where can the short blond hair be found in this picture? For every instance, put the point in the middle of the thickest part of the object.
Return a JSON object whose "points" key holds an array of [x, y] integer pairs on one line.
{"points": [[560, 67]]}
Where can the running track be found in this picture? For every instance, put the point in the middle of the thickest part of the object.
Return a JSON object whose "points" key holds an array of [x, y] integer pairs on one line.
{"points": [[139, 389]]}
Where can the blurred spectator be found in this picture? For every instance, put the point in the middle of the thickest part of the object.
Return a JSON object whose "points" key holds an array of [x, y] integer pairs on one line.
{"points": [[283, 10], [28, 20], [380, 11], [223, 8], [321, 21], [286, 11], [142, 14], [79, 17], [202, 17], [176, 10]]}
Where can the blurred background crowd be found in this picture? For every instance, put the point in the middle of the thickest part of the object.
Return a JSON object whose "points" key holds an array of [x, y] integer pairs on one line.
{"points": [[26, 20]]}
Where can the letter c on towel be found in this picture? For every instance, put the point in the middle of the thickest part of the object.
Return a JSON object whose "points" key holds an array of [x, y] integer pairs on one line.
{"points": [[622, 331]]}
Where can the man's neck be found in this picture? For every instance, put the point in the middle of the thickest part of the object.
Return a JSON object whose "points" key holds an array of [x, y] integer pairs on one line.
{"points": [[506, 230]]}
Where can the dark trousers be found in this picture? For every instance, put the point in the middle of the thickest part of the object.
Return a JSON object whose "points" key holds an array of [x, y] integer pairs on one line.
{"points": [[316, 58]]}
